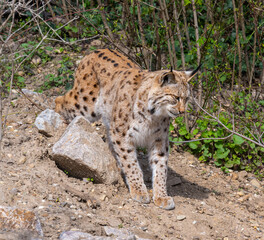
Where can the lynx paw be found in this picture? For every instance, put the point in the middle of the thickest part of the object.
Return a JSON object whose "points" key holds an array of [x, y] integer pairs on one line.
{"points": [[140, 195], [164, 202]]}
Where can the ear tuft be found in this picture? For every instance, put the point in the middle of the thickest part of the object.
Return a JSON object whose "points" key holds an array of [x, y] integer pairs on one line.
{"points": [[191, 74]]}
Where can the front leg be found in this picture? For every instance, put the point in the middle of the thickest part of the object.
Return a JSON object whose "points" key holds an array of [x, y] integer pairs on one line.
{"points": [[158, 160], [127, 157]]}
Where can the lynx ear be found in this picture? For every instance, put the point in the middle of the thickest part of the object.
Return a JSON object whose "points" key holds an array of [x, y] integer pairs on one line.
{"points": [[191, 74], [167, 78]]}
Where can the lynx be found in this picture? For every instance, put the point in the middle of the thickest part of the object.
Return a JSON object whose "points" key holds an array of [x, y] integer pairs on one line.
{"points": [[135, 106]]}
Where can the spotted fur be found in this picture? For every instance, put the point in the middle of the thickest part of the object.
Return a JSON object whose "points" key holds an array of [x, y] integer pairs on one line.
{"points": [[135, 106]]}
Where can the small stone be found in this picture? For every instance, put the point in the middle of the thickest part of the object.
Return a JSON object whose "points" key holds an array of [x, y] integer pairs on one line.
{"points": [[240, 193], [181, 217], [22, 160], [14, 191], [50, 197], [244, 198], [29, 93], [36, 60], [242, 175], [48, 122], [119, 233], [234, 176], [102, 197], [254, 182]]}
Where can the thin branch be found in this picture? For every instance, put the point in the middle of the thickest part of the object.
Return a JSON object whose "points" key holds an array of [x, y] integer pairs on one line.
{"points": [[202, 139], [229, 130]]}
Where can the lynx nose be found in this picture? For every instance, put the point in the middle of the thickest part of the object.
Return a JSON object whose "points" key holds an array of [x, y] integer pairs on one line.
{"points": [[181, 108]]}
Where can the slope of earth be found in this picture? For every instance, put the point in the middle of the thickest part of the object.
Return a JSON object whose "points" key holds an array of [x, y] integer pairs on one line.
{"points": [[209, 204]]}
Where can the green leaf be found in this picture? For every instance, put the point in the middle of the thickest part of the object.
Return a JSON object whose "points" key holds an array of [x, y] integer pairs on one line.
{"points": [[183, 131], [218, 162], [238, 140], [222, 155], [195, 131], [193, 145]]}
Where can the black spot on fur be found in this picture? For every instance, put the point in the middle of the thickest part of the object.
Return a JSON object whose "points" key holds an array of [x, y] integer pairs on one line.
{"points": [[85, 108], [96, 51], [118, 142], [94, 99], [101, 54], [93, 114], [128, 64], [156, 131], [91, 92], [135, 129], [77, 105], [85, 99], [116, 65], [75, 97], [82, 113], [162, 154], [85, 76]]}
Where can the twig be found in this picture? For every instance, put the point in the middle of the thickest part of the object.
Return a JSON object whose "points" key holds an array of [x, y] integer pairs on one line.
{"points": [[229, 130], [202, 139]]}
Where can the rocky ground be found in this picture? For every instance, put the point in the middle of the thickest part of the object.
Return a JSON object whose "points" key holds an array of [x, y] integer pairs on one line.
{"points": [[209, 203]]}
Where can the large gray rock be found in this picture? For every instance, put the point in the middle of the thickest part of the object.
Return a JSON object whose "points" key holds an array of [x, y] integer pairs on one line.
{"points": [[83, 154], [75, 235], [112, 233], [48, 122]]}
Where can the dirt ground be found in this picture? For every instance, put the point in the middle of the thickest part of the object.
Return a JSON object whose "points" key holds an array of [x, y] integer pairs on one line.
{"points": [[209, 203]]}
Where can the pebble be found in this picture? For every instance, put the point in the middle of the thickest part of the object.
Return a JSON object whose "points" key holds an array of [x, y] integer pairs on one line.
{"points": [[103, 197], [254, 182], [242, 175], [36, 60], [234, 176], [181, 217], [240, 193], [244, 198], [22, 160]]}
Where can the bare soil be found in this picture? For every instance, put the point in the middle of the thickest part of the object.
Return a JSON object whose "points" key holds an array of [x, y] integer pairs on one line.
{"points": [[209, 203]]}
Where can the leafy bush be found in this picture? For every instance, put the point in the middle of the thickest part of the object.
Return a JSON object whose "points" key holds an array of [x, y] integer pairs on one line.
{"points": [[231, 153]]}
